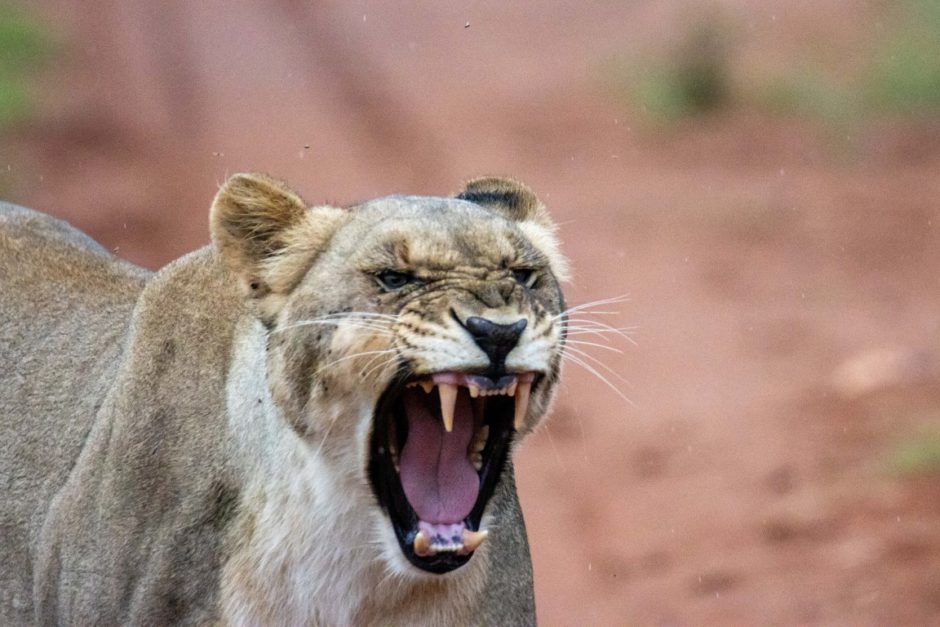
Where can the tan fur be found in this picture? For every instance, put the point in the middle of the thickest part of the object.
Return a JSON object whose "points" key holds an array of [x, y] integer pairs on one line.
{"points": [[515, 200], [190, 447]]}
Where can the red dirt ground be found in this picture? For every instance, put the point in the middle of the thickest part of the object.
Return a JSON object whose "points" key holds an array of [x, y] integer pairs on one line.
{"points": [[783, 281]]}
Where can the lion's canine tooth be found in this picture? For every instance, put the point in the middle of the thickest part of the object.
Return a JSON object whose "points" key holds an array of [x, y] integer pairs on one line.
{"points": [[522, 402], [474, 390], [427, 385], [473, 539], [448, 392], [422, 545]]}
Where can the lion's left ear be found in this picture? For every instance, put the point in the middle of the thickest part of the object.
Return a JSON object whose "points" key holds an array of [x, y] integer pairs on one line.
{"points": [[266, 235], [514, 200]]}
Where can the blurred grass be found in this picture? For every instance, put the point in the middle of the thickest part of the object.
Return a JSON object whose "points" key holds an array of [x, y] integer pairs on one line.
{"points": [[918, 455], [905, 73], [899, 75], [696, 81], [25, 43], [693, 80], [809, 93]]}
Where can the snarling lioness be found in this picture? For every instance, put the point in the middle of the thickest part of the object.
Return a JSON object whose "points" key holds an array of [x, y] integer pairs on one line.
{"points": [[310, 421]]}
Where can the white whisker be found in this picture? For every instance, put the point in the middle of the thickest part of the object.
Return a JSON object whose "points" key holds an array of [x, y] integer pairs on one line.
{"points": [[598, 363], [594, 303], [603, 329], [326, 434], [593, 371], [599, 333], [599, 328], [355, 325], [358, 314], [601, 346], [354, 356], [380, 365], [354, 319]]}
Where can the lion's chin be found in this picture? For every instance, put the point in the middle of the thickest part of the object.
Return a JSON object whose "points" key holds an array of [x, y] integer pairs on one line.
{"points": [[438, 449]]}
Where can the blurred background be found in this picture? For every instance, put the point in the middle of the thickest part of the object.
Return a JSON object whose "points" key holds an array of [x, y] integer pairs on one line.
{"points": [[761, 179]]}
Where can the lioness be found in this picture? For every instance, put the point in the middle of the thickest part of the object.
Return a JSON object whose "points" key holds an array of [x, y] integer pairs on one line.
{"points": [[310, 421]]}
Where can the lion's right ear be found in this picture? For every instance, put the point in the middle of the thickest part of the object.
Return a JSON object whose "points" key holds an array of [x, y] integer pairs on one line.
{"points": [[266, 235], [507, 196]]}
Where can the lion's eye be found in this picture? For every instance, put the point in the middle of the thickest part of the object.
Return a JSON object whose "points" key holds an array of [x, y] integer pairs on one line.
{"points": [[525, 276], [394, 280]]}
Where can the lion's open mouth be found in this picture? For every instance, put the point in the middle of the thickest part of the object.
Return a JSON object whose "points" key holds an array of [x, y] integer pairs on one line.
{"points": [[438, 447]]}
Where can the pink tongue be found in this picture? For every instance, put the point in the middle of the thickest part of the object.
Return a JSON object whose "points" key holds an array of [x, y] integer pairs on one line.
{"points": [[439, 481]]}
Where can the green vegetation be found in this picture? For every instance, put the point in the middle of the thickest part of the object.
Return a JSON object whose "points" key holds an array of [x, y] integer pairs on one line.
{"points": [[24, 44], [898, 75], [809, 93], [917, 456], [696, 81], [905, 73]]}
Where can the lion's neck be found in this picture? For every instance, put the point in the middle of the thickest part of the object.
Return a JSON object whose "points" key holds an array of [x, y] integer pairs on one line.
{"points": [[309, 545], [309, 555]]}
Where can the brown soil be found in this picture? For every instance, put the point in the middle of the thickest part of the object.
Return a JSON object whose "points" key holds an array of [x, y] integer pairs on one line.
{"points": [[782, 278]]}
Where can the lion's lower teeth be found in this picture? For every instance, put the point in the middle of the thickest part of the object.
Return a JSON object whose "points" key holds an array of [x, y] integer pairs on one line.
{"points": [[477, 446], [479, 439], [393, 446], [473, 539], [422, 545]]}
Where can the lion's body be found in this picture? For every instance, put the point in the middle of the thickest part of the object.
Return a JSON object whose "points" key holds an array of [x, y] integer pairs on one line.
{"points": [[112, 455], [142, 478]]}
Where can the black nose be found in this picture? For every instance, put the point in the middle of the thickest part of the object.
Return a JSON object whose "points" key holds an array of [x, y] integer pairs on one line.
{"points": [[496, 340]]}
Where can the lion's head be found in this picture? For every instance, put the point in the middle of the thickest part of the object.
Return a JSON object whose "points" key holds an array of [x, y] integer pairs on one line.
{"points": [[410, 341]]}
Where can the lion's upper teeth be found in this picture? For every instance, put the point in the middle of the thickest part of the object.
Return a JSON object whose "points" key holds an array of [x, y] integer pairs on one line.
{"points": [[448, 393], [449, 387], [522, 402]]}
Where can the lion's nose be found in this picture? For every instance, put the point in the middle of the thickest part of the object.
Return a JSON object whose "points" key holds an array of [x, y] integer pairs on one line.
{"points": [[496, 340]]}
